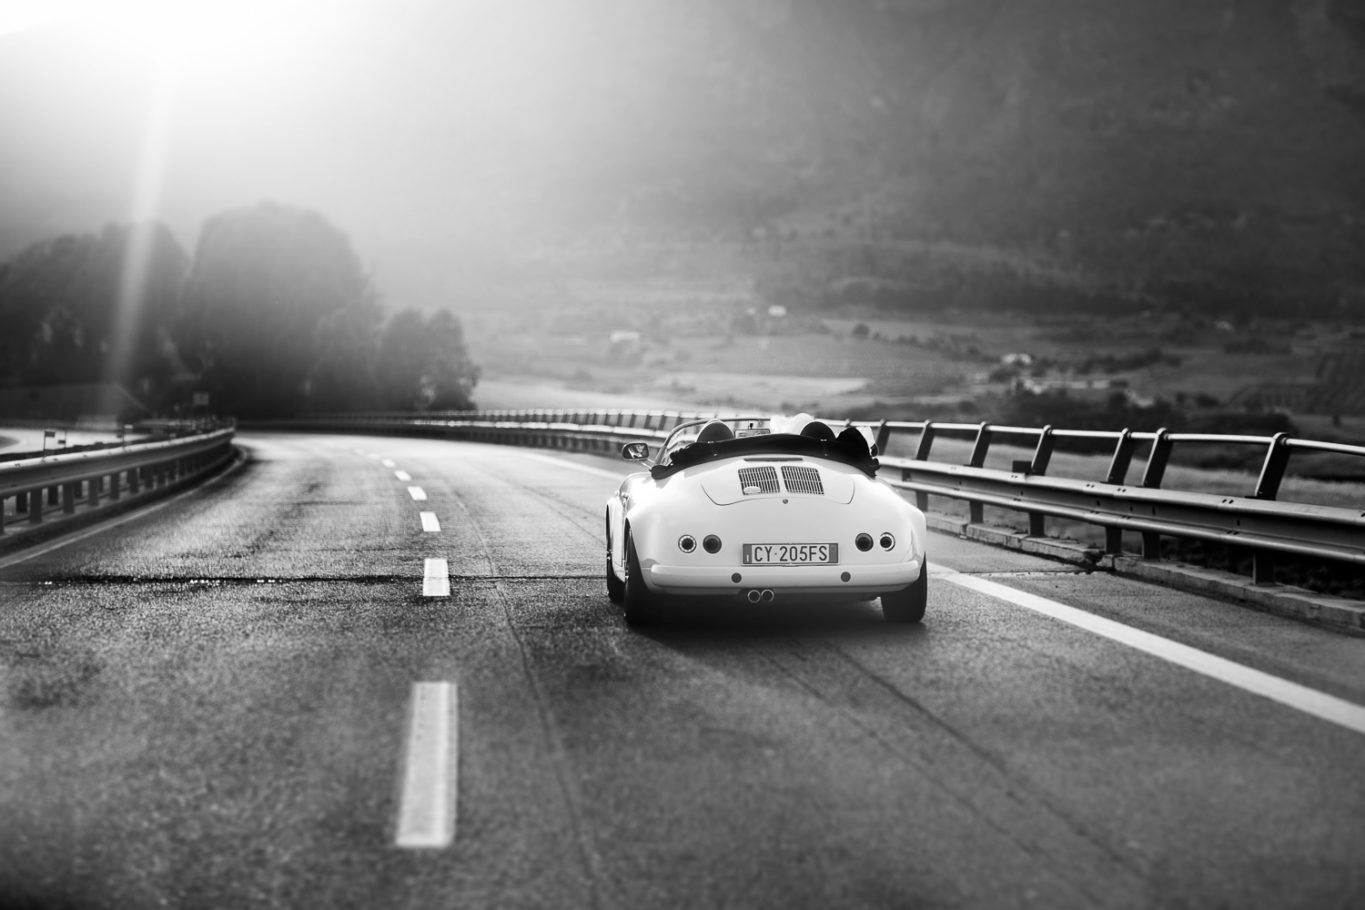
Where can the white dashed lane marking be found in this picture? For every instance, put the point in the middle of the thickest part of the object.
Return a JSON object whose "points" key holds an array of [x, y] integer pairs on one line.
{"points": [[429, 522], [402, 475], [436, 578], [417, 493], [387, 462], [426, 812]]}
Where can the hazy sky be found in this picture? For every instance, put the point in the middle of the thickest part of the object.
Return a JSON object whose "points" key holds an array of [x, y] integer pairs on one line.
{"points": [[398, 119]]}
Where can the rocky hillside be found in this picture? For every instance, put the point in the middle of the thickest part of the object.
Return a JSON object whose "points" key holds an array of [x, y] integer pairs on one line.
{"points": [[1197, 151]]}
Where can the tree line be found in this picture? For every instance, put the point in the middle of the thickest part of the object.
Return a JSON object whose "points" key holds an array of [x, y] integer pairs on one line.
{"points": [[273, 316]]}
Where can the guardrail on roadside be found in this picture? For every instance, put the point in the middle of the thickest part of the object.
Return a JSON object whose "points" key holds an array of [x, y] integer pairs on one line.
{"points": [[106, 476], [1256, 521]]}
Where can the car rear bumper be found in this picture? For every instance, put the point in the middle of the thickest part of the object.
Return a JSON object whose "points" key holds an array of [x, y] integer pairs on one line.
{"points": [[868, 580]]}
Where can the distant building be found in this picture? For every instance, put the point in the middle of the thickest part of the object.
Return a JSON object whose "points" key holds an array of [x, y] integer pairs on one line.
{"points": [[777, 311], [626, 346], [1017, 360]]}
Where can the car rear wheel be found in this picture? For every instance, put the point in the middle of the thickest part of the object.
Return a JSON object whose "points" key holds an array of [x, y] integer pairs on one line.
{"points": [[641, 606], [616, 588], [908, 605]]}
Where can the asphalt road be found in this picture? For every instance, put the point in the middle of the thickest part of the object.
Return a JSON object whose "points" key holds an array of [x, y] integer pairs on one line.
{"points": [[245, 698]]}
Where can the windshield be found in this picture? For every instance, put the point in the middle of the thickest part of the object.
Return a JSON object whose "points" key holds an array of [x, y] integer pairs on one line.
{"points": [[728, 437], [685, 434]]}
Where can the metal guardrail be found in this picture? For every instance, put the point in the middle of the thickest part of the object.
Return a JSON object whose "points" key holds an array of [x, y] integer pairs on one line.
{"points": [[105, 476], [1257, 521]]}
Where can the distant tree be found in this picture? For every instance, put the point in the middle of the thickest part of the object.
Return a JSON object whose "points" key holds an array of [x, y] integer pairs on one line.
{"points": [[78, 308], [277, 313], [423, 363], [343, 374]]}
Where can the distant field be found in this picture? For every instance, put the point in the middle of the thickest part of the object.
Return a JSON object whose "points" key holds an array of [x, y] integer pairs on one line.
{"points": [[530, 394], [719, 345]]}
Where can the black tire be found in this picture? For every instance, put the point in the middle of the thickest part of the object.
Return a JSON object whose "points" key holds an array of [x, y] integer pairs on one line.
{"points": [[616, 588], [908, 605], [641, 606]]}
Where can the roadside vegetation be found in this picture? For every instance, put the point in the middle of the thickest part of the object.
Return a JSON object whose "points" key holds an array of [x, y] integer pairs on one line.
{"points": [[272, 316]]}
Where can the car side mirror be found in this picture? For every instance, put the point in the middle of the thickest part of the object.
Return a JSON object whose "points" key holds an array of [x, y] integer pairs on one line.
{"points": [[635, 451]]}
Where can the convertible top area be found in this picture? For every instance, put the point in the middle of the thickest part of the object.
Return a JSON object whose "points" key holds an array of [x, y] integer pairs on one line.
{"points": [[848, 448]]}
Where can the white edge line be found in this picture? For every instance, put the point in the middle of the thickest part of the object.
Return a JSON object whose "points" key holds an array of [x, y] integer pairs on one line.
{"points": [[427, 802], [1301, 698], [565, 463], [436, 578]]}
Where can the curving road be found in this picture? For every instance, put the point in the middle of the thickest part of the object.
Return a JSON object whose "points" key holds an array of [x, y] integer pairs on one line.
{"points": [[261, 694]]}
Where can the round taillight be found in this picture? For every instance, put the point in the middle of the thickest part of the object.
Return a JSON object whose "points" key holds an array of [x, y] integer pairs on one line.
{"points": [[687, 543], [711, 543], [886, 540], [863, 542]]}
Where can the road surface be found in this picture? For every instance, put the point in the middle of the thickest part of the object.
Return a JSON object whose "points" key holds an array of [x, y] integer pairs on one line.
{"points": [[272, 692]]}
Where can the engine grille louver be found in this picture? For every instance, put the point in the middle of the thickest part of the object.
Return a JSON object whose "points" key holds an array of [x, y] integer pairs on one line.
{"points": [[800, 479], [758, 480]]}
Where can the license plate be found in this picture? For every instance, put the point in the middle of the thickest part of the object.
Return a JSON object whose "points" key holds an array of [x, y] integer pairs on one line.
{"points": [[791, 554]]}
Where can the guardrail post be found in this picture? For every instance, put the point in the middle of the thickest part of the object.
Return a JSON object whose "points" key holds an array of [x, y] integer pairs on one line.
{"points": [[35, 506], [20, 503], [93, 493], [1113, 541], [1156, 460], [1123, 458], [1263, 568], [114, 491], [981, 446], [1042, 455], [883, 437], [1272, 470], [69, 497], [926, 441], [921, 497], [1151, 545], [133, 481], [54, 495]]}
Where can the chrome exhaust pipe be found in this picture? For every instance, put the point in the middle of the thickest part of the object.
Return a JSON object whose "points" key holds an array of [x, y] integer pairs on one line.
{"points": [[754, 595], [767, 596]]}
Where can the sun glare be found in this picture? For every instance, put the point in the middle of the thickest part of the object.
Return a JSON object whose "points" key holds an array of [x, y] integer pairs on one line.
{"points": [[227, 36]]}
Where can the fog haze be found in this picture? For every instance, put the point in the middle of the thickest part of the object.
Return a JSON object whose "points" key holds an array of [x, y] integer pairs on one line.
{"points": [[1187, 153], [415, 126]]}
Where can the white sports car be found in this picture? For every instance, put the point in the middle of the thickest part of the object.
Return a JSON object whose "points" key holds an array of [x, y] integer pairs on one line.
{"points": [[741, 507]]}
